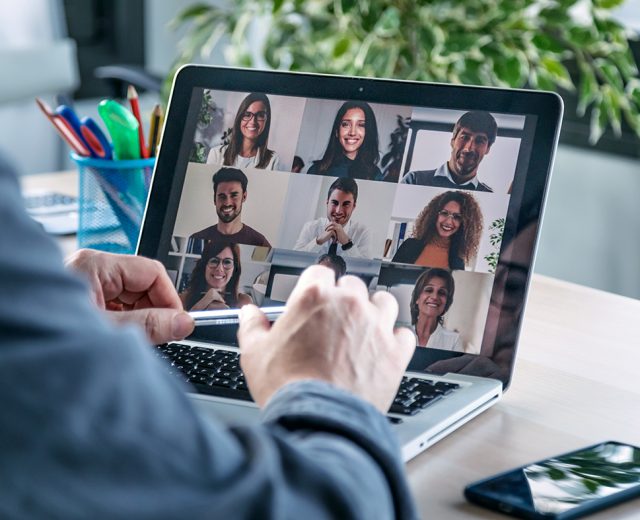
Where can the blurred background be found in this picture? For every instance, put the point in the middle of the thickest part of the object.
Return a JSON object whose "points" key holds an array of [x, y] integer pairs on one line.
{"points": [[86, 50]]}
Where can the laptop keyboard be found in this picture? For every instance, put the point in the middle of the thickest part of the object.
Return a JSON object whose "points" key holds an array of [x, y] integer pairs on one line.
{"points": [[217, 372]]}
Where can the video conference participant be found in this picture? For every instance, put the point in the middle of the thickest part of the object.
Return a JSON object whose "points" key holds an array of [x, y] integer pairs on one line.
{"points": [[337, 233], [430, 300], [334, 262], [352, 150], [229, 194], [473, 135], [249, 138], [214, 281], [446, 233]]}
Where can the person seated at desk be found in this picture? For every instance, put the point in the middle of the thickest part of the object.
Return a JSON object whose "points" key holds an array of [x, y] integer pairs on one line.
{"points": [[446, 233], [430, 300], [337, 233], [214, 281], [334, 262], [95, 426]]}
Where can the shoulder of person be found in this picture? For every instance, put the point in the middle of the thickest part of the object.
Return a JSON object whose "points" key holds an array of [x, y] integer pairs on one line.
{"points": [[215, 154], [418, 177], [205, 233], [244, 299]]}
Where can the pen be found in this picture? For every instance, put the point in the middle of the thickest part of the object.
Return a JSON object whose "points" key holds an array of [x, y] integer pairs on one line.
{"points": [[87, 131], [64, 130], [132, 96], [156, 128]]}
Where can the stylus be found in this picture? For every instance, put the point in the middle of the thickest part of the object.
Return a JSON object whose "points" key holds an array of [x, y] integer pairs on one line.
{"points": [[230, 316]]}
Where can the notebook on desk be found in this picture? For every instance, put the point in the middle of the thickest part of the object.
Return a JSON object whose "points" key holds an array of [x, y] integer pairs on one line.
{"points": [[431, 192]]}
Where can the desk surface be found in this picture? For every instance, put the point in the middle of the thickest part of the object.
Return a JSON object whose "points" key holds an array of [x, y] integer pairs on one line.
{"points": [[576, 383]]}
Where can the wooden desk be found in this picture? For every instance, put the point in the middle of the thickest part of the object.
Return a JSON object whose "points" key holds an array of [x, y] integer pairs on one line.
{"points": [[576, 383]]}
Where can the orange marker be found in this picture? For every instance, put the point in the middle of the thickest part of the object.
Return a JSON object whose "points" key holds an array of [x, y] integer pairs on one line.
{"points": [[132, 96]]}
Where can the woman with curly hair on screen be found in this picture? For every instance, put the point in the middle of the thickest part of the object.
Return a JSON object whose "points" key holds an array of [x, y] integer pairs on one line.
{"points": [[249, 138], [213, 284], [446, 233]]}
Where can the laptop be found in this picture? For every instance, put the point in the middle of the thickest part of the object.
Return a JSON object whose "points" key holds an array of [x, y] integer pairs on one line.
{"points": [[431, 192]]}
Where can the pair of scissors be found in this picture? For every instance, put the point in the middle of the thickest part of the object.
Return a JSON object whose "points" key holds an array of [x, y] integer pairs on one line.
{"points": [[87, 131]]}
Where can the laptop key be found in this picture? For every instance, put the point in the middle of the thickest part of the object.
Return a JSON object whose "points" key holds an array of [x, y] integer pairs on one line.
{"points": [[221, 391]]}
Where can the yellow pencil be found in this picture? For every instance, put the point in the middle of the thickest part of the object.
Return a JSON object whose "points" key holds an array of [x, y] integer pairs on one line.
{"points": [[155, 130]]}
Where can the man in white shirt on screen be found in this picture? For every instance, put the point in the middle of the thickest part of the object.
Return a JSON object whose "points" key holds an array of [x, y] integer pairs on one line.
{"points": [[337, 233]]}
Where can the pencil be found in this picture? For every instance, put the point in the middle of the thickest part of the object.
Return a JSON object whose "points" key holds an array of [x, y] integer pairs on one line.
{"points": [[156, 128], [132, 96]]}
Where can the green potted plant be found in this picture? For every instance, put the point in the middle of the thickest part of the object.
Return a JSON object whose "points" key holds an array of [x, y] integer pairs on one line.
{"points": [[563, 45]]}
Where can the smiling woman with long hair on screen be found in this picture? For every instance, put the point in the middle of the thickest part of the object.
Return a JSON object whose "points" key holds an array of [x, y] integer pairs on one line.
{"points": [[213, 284], [249, 138], [352, 150]]}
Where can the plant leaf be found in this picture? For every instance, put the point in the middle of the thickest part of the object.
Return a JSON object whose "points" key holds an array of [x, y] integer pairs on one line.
{"points": [[608, 4], [598, 122]]}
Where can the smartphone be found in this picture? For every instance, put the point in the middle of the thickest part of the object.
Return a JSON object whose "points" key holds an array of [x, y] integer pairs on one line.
{"points": [[563, 487], [230, 316]]}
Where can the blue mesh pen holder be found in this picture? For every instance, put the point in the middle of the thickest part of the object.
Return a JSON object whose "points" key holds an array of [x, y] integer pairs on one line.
{"points": [[113, 195]]}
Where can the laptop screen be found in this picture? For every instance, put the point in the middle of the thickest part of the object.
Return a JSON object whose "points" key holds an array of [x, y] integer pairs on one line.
{"points": [[420, 200]]}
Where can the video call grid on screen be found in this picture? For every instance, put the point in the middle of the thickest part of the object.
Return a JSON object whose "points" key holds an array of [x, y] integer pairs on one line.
{"points": [[285, 197]]}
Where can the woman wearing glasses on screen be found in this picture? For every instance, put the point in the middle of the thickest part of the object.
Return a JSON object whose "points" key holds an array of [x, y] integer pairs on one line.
{"points": [[353, 145], [214, 281], [446, 233], [248, 147], [430, 300]]}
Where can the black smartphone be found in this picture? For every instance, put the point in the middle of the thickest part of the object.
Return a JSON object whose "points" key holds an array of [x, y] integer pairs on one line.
{"points": [[563, 487]]}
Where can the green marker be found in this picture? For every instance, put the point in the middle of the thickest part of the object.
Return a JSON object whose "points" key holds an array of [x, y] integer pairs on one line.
{"points": [[123, 129]]}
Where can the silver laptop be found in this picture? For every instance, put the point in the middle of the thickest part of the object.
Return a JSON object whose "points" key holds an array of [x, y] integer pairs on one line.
{"points": [[431, 192]]}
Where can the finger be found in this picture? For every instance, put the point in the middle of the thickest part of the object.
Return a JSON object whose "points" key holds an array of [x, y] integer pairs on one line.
{"points": [[315, 275], [136, 274], [160, 325], [387, 306], [353, 285], [253, 324], [406, 345]]}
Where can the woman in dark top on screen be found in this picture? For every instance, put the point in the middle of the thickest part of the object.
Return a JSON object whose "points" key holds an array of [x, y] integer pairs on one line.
{"points": [[213, 284], [446, 233], [353, 145]]}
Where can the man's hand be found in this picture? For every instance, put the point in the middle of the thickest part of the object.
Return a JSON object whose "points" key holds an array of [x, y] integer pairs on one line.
{"points": [[330, 332], [338, 231], [134, 289], [326, 235]]}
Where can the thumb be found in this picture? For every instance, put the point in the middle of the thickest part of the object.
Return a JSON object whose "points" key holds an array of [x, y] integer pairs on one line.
{"points": [[161, 325], [253, 324], [406, 345]]}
